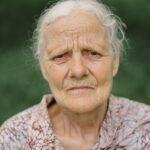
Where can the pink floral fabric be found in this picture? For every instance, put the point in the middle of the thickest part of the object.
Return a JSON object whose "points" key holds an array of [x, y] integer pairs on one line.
{"points": [[125, 127]]}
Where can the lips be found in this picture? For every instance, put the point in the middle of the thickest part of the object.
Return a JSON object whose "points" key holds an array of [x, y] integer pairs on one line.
{"points": [[80, 88]]}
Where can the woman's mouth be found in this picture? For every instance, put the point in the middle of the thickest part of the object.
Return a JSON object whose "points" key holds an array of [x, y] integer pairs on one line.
{"points": [[80, 89]]}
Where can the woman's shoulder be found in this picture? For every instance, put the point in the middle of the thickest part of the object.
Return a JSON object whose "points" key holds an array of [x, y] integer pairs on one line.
{"points": [[133, 122], [20, 118], [132, 110], [29, 115], [29, 128], [131, 106], [15, 129]]}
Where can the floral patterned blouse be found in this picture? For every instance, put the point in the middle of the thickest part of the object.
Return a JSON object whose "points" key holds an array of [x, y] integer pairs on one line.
{"points": [[125, 127]]}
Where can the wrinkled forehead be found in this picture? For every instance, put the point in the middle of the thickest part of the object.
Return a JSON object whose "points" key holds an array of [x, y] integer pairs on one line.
{"points": [[77, 23]]}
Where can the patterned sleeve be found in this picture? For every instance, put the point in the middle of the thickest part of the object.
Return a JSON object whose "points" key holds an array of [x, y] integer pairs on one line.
{"points": [[137, 129], [13, 135], [139, 138], [8, 139]]}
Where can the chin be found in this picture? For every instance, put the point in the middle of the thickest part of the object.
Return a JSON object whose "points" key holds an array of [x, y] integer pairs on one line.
{"points": [[82, 104]]}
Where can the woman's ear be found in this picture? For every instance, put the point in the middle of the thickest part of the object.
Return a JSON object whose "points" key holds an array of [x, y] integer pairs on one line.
{"points": [[116, 63], [43, 70]]}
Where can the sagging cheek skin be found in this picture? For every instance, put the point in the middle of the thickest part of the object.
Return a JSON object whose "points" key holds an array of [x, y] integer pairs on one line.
{"points": [[53, 73]]}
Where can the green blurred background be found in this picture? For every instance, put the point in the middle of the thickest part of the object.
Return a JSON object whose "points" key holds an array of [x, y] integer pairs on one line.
{"points": [[21, 83]]}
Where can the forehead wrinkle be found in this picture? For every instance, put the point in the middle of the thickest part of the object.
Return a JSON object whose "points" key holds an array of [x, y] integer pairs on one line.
{"points": [[92, 39], [78, 34], [75, 23], [75, 37], [69, 43], [71, 37], [62, 25], [79, 38], [82, 40]]}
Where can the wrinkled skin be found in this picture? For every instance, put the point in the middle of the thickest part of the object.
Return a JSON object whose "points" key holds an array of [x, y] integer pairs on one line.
{"points": [[77, 53]]}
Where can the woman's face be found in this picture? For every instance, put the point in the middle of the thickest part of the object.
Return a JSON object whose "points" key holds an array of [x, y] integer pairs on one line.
{"points": [[78, 62]]}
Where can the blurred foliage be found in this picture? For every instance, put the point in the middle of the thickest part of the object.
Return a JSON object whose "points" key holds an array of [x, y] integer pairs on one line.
{"points": [[21, 83]]}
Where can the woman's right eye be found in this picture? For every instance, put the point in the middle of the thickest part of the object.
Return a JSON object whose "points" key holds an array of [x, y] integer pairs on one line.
{"points": [[61, 58]]}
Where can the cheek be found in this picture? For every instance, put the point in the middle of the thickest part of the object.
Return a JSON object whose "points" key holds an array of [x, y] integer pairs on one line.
{"points": [[103, 72], [55, 75]]}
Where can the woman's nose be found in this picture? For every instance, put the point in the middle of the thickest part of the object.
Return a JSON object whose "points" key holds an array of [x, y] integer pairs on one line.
{"points": [[78, 68]]}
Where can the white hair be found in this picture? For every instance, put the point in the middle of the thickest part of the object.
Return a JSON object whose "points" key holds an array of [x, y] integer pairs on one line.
{"points": [[112, 22]]}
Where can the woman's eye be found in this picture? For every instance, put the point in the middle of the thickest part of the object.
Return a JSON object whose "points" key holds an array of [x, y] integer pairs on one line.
{"points": [[61, 58], [92, 54]]}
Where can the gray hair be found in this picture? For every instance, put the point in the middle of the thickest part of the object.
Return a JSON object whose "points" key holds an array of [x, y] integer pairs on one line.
{"points": [[113, 24]]}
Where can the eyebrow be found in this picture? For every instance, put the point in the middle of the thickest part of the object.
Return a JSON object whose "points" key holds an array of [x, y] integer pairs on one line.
{"points": [[57, 51], [63, 49]]}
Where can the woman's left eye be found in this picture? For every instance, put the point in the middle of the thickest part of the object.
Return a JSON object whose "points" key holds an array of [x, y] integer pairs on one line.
{"points": [[92, 54]]}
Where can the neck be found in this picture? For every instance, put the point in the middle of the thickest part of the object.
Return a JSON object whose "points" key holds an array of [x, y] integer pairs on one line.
{"points": [[70, 124]]}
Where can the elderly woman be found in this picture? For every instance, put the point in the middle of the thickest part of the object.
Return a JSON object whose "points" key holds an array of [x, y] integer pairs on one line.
{"points": [[78, 44]]}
